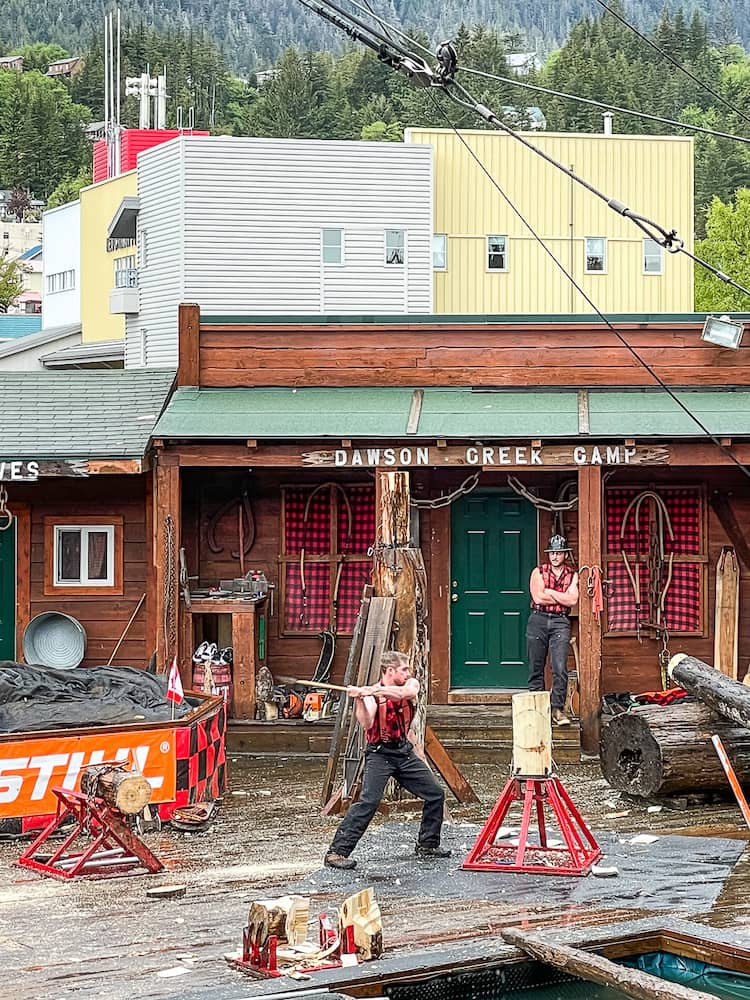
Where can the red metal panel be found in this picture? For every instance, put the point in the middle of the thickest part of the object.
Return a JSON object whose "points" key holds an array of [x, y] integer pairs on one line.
{"points": [[99, 171], [137, 140]]}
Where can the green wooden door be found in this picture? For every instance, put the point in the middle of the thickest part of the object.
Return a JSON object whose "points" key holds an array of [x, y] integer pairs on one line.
{"points": [[493, 551], [8, 593]]}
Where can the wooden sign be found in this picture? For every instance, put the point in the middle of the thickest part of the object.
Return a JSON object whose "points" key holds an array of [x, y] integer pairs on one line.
{"points": [[17, 471], [488, 456]]}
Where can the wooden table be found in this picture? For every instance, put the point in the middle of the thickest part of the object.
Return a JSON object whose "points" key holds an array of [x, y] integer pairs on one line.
{"points": [[249, 641]]}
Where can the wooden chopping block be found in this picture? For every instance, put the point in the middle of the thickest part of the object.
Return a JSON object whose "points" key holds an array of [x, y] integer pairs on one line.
{"points": [[127, 791], [285, 917]]}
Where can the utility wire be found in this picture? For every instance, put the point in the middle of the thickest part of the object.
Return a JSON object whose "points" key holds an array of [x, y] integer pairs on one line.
{"points": [[607, 107], [670, 59], [558, 263], [391, 29]]}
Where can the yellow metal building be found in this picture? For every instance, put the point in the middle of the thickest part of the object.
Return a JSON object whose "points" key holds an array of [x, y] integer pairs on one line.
{"points": [[99, 203], [486, 260]]}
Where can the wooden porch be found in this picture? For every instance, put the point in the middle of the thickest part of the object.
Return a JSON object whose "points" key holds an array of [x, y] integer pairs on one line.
{"points": [[474, 734]]}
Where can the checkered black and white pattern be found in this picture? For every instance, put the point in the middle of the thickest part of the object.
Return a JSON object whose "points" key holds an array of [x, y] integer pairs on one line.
{"points": [[201, 762], [683, 601]]}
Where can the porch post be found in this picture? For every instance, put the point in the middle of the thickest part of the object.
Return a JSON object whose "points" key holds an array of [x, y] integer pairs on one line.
{"points": [[166, 539], [589, 628], [189, 324]]}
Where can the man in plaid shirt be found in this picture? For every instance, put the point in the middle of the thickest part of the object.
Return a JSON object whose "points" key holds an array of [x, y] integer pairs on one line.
{"points": [[385, 711], [554, 591]]}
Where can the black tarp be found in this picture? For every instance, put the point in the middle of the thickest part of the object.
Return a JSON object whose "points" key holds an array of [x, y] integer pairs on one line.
{"points": [[36, 698]]}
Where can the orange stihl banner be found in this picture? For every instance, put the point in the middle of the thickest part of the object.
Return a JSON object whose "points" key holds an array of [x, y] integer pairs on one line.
{"points": [[31, 768]]}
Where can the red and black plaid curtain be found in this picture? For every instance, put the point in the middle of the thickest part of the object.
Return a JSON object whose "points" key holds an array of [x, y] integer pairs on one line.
{"points": [[682, 608], [355, 533]]}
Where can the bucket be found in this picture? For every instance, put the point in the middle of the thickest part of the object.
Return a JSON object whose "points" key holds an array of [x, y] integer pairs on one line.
{"points": [[222, 675], [53, 639]]}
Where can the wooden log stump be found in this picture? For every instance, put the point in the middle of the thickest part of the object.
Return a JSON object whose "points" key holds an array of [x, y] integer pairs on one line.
{"points": [[665, 750], [723, 694], [362, 913], [285, 917], [126, 791], [595, 969], [532, 734]]}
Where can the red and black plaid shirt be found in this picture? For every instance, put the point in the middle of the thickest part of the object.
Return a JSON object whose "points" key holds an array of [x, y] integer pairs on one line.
{"points": [[552, 582], [392, 721]]}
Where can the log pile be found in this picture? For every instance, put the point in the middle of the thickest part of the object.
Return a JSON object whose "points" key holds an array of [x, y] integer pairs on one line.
{"points": [[127, 791], [723, 694]]}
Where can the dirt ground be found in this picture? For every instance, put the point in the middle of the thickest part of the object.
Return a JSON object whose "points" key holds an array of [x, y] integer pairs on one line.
{"points": [[106, 939]]}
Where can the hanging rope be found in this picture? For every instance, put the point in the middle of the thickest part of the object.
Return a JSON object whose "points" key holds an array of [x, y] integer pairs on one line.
{"points": [[6, 514], [169, 623]]}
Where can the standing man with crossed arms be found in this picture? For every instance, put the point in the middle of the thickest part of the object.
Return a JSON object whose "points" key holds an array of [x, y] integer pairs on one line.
{"points": [[554, 591]]}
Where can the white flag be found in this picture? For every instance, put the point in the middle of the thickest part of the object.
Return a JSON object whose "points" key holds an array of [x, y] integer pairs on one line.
{"points": [[174, 685]]}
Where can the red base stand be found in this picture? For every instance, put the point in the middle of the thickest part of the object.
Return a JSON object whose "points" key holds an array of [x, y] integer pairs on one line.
{"points": [[111, 849], [580, 850]]}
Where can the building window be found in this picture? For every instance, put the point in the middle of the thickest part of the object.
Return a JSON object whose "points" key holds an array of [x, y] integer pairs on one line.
{"points": [[657, 548], [440, 252], [61, 281], [332, 246], [83, 556], [497, 253], [596, 255], [126, 273], [395, 246], [326, 532], [653, 257]]}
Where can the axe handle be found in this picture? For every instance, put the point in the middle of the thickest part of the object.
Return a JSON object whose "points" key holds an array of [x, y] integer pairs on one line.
{"points": [[318, 684]]}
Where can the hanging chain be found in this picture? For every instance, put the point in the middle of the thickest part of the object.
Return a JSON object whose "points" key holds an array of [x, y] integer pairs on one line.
{"points": [[5, 513], [170, 625], [539, 502], [465, 488]]}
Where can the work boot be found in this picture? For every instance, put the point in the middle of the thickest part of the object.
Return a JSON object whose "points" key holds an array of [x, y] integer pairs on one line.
{"points": [[559, 717], [422, 851], [333, 860]]}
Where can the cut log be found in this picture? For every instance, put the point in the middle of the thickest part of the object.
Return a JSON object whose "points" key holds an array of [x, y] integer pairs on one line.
{"points": [[127, 791], [595, 969], [285, 917], [724, 695], [362, 913], [532, 734], [665, 750]]}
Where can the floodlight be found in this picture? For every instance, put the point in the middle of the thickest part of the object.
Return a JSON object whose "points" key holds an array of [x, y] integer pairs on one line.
{"points": [[723, 331]]}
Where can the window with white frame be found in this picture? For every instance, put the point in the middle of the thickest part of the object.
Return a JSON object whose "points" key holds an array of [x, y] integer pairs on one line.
{"points": [[61, 281], [653, 257], [395, 246], [126, 273], [332, 246], [440, 252], [596, 255], [142, 248], [83, 555], [497, 253]]}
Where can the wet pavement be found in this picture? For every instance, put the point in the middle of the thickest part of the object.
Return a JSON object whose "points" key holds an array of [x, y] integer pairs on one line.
{"points": [[107, 939]]}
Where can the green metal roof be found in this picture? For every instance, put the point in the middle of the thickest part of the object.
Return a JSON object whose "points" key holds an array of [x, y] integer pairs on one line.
{"points": [[386, 413], [80, 414]]}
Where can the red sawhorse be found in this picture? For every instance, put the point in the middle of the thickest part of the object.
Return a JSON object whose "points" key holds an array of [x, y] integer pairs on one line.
{"points": [[580, 850], [113, 849]]}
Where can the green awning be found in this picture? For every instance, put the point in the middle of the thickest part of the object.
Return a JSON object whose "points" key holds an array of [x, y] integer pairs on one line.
{"points": [[431, 413]]}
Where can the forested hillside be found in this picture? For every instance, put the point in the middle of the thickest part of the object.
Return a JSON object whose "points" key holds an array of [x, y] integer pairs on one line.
{"points": [[253, 33]]}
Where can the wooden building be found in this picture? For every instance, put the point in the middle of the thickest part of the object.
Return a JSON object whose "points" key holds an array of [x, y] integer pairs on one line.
{"points": [[299, 418], [76, 507]]}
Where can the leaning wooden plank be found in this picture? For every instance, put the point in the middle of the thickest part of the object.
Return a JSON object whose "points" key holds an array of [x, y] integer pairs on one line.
{"points": [[726, 617], [595, 969], [723, 694], [340, 726], [440, 759]]}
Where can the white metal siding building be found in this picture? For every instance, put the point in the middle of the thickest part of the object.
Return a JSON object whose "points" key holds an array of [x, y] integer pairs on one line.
{"points": [[278, 227], [61, 289]]}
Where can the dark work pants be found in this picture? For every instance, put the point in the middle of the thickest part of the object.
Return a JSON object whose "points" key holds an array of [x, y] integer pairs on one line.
{"points": [[401, 763], [545, 633]]}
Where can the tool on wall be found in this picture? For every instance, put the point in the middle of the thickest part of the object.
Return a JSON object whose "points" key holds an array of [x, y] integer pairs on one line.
{"points": [[6, 514], [245, 528], [335, 489], [125, 630]]}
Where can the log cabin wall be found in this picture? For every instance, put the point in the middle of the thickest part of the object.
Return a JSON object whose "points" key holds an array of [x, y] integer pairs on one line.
{"points": [[438, 354], [103, 616]]}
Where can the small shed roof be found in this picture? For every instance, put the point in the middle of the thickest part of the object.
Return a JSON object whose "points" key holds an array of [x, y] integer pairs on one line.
{"points": [[80, 414]]}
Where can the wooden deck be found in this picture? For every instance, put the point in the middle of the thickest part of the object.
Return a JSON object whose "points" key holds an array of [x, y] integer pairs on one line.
{"points": [[472, 734]]}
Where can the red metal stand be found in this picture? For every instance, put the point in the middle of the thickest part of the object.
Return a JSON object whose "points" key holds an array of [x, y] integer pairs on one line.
{"points": [[113, 850], [580, 852]]}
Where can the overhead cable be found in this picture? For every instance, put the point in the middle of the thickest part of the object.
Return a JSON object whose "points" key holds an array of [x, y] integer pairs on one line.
{"points": [[670, 59]]}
